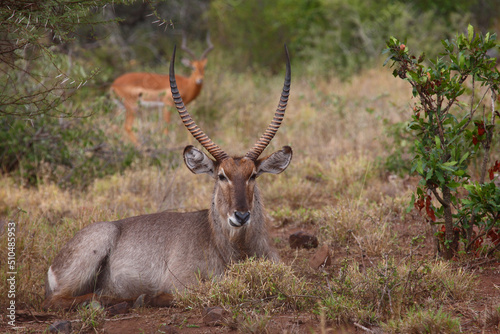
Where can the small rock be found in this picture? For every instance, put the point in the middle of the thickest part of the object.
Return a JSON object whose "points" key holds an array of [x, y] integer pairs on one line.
{"points": [[166, 329], [62, 326], [215, 316], [302, 239], [121, 308], [321, 258]]}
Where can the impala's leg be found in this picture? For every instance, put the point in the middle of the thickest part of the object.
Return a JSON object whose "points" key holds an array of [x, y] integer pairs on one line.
{"points": [[129, 120], [74, 275], [166, 117]]}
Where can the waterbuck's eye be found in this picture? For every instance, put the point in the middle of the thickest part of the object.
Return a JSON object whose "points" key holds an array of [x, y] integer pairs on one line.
{"points": [[253, 177], [222, 177]]}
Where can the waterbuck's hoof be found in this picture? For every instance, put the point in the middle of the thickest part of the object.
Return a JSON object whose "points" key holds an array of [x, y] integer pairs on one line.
{"points": [[162, 299], [140, 301]]}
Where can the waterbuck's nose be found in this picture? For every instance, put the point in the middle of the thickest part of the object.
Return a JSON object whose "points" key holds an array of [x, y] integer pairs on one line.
{"points": [[242, 217]]}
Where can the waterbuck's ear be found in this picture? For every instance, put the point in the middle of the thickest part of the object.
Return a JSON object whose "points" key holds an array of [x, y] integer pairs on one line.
{"points": [[197, 161], [276, 162]]}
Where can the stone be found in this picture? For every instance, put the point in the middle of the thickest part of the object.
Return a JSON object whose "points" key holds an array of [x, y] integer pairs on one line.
{"points": [[321, 258], [166, 329], [302, 239], [215, 316], [62, 326]]}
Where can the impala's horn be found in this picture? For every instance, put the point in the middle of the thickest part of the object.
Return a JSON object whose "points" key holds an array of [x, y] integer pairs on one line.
{"points": [[273, 127], [209, 47], [197, 133], [185, 48]]}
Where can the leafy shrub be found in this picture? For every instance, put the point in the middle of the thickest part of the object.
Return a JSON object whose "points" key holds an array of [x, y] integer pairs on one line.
{"points": [[71, 152], [451, 134], [254, 30]]}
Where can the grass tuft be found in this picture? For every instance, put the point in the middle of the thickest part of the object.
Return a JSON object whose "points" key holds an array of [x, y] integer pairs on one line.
{"points": [[252, 284], [424, 321], [389, 290]]}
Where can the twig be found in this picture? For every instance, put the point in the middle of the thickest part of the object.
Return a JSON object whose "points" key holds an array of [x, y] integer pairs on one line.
{"points": [[483, 262], [363, 328], [492, 250], [124, 318], [31, 313]]}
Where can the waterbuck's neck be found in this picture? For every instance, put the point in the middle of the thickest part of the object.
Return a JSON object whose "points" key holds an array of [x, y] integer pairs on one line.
{"points": [[237, 243]]}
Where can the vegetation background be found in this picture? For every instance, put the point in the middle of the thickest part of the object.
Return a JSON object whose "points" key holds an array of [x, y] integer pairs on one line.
{"points": [[66, 161]]}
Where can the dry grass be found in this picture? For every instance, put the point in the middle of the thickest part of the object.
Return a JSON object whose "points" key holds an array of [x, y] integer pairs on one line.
{"points": [[262, 284], [334, 186], [425, 321], [386, 290]]}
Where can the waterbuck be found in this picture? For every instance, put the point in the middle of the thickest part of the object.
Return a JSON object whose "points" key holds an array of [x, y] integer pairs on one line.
{"points": [[152, 255]]}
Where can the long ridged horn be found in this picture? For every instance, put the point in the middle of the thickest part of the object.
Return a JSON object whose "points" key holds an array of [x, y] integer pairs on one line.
{"points": [[197, 133], [273, 127]]}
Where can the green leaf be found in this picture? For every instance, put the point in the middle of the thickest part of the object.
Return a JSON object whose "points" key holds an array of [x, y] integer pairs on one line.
{"points": [[465, 156], [470, 32], [412, 203], [438, 141], [469, 187], [420, 168], [440, 177]]}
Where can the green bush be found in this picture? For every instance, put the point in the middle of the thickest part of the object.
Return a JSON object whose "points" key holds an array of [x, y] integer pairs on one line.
{"points": [[253, 32], [350, 35], [325, 36], [453, 124], [70, 151]]}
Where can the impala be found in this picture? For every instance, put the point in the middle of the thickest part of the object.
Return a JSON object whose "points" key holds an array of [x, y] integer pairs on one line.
{"points": [[152, 255], [134, 90]]}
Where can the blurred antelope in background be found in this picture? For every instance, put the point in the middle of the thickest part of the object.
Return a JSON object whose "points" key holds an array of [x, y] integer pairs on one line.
{"points": [[140, 89], [155, 254]]}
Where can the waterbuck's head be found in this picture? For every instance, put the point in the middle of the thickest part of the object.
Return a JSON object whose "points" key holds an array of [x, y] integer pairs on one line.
{"points": [[235, 198]]}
